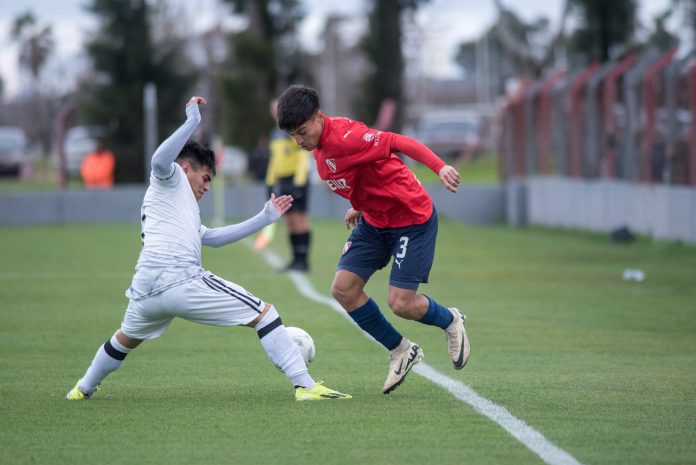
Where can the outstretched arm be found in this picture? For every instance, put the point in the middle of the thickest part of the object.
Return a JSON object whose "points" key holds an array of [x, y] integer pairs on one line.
{"points": [[410, 147], [168, 150], [272, 211]]}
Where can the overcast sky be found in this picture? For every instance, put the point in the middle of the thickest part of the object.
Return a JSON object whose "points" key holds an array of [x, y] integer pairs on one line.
{"points": [[444, 25]]}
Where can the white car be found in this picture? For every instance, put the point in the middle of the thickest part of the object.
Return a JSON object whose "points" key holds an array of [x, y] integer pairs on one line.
{"points": [[234, 162], [448, 133], [13, 149]]}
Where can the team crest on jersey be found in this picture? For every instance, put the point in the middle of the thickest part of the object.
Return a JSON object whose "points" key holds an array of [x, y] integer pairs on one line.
{"points": [[346, 246], [369, 137], [331, 163]]}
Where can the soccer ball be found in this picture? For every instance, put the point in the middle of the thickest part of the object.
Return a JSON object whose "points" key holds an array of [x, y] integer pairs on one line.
{"points": [[304, 342]]}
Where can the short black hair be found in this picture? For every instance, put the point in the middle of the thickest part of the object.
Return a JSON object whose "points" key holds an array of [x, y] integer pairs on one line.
{"points": [[296, 105], [198, 155]]}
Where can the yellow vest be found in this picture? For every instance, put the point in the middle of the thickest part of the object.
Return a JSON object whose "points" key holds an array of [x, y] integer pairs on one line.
{"points": [[287, 159]]}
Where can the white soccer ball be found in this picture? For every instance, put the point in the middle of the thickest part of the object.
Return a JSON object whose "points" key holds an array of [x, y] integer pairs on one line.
{"points": [[304, 342]]}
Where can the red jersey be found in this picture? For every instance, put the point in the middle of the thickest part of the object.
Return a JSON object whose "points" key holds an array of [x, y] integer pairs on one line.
{"points": [[357, 163]]}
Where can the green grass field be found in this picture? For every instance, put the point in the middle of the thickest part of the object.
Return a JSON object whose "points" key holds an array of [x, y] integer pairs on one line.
{"points": [[604, 369]]}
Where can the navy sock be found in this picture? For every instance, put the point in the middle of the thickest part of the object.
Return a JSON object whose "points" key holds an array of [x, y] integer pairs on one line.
{"points": [[437, 315], [371, 320]]}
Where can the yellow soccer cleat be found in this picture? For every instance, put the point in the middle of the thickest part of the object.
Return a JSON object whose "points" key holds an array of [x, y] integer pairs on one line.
{"points": [[319, 392], [76, 393]]}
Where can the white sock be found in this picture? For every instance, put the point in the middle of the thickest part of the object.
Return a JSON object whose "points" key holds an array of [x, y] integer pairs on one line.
{"points": [[282, 352], [107, 359]]}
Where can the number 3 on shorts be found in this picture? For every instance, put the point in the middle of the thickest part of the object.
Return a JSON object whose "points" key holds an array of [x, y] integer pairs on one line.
{"points": [[402, 247]]}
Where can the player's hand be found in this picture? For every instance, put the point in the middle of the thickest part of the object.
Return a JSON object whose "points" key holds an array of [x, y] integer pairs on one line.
{"points": [[449, 177], [196, 101], [276, 206], [351, 218]]}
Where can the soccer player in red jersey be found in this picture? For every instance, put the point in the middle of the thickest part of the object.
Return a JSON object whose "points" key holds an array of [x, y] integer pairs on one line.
{"points": [[392, 215]]}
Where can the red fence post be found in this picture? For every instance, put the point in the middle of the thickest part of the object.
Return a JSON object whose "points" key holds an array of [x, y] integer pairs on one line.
{"points": [[545, 122], [504, 155], [608, 99], [512, 133], [649, 96], [518, 135], [575, 117]]}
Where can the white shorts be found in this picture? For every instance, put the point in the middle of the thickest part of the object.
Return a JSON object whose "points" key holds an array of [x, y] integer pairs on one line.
{"points": [[208, 300]]}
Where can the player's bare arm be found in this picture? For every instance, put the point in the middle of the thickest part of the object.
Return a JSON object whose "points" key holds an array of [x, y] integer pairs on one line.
{"points": [[351, 218]]}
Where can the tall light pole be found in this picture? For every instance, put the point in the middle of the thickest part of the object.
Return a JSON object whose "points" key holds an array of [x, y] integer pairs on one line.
{"points": [[150, 118]]}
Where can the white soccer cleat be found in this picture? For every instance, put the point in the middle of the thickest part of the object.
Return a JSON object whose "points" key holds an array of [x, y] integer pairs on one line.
{"points": [[457, 340], [401, 360]]}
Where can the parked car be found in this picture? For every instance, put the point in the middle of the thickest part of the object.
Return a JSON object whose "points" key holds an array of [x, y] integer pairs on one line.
{"points": [[234, 162], [79, 141], [13, 149], [448, 133]]}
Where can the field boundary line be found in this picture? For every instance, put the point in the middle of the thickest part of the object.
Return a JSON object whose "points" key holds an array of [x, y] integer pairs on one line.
{"points": [[528, 436]]}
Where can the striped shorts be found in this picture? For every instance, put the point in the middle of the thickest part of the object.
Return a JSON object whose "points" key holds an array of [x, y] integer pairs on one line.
{"points": [[208, 300]]}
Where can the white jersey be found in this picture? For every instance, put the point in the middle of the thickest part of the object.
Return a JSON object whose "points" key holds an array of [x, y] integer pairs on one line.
{"points": [[172, 233], [170, 219], [171, 225]]}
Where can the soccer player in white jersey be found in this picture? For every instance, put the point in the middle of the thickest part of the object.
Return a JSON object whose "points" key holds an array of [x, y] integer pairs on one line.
{"points": [[169, 280]]}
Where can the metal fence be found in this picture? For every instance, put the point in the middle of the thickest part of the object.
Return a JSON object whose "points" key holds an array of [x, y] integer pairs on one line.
{"points": [[630, 119]]}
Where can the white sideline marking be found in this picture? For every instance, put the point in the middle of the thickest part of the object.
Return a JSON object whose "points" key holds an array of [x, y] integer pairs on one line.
{"points": [[524, 433], [528, 436]]}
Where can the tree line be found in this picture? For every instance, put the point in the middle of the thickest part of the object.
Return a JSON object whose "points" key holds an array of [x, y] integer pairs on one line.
{"points": [[139, 42]]}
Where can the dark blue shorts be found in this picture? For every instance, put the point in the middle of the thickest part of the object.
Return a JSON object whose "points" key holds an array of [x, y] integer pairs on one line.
{"points": [[300, 194], [413, 247]]}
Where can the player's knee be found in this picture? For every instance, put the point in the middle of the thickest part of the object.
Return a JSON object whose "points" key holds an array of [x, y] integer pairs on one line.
{"points": [[343, 294], [400, 306], [126, 341], [397, 305], [268, 321], [339, 293]]}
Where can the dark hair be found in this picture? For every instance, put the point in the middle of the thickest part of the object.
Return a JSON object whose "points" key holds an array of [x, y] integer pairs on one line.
{"points": [[198, 155], [296, 105]]}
